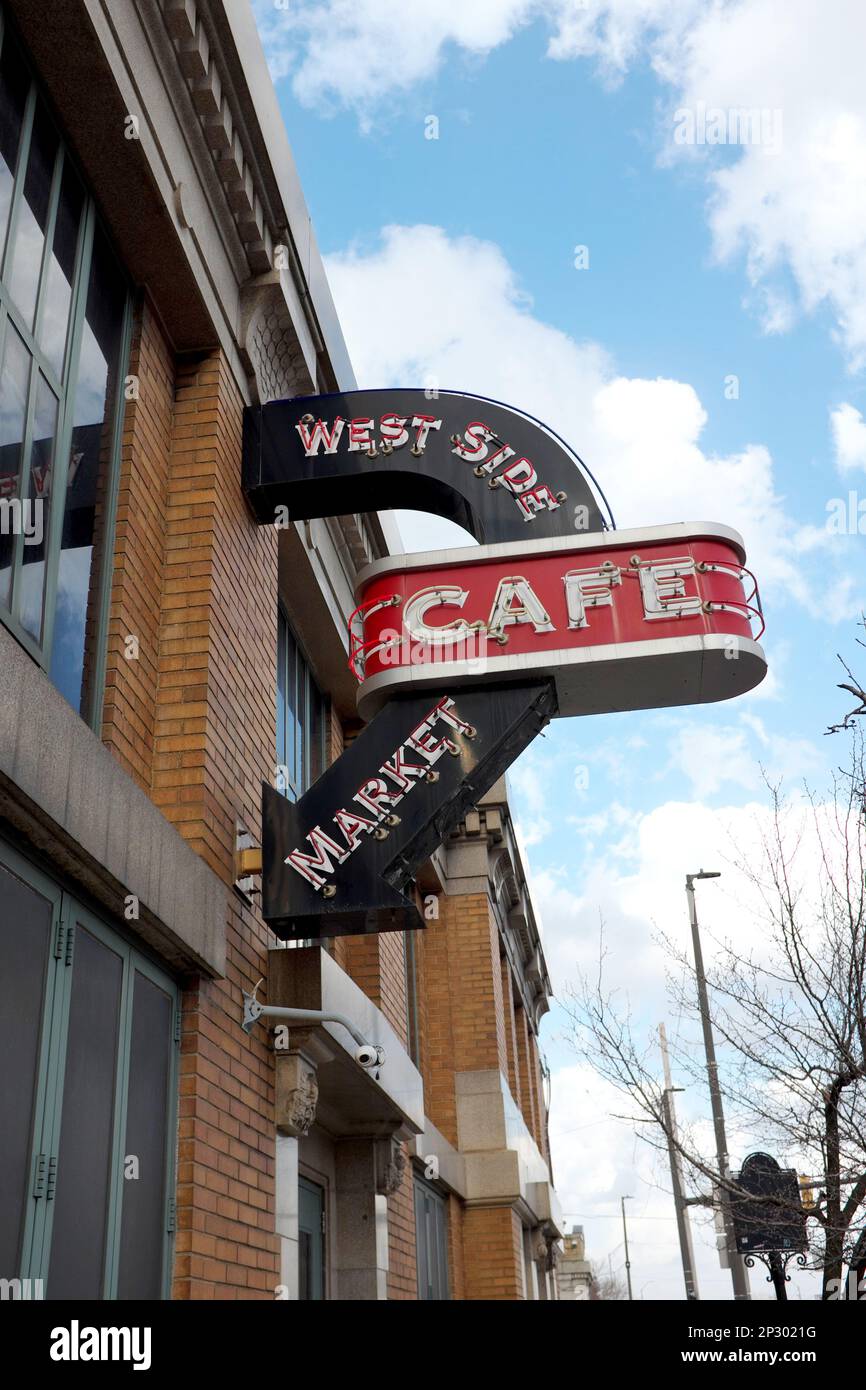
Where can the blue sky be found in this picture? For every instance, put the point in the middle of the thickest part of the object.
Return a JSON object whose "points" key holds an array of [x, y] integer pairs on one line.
{"points": [[555, 130]]}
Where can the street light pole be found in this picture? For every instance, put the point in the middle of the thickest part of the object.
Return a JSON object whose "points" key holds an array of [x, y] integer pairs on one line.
{"points": [[623, 1201], [739, 1277], [684, 1229]]}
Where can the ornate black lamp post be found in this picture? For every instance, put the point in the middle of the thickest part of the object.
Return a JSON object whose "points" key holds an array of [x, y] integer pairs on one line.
{"points": [[769, 1218]]}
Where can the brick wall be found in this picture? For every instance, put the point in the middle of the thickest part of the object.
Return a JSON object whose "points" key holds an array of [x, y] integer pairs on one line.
{"points": [[129, 711], [377, 964], [402, 1267], [528, 1073], [456, 1263], [493, 1241], [462, 985], [514, 1081], [469, 1024], [435, 1023], [193, 721], [540, 1131]]}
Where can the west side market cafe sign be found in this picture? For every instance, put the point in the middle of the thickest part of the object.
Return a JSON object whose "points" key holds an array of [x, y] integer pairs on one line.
{"points": [[511, 635], [626, 620]]}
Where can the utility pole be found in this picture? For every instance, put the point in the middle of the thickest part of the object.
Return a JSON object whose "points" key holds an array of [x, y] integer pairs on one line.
{"points": [[739, 1276], [684, 1229], [623, 1201]]}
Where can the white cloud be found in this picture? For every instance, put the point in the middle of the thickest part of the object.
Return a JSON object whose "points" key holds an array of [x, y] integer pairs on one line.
{"points": [[615, 32], [362, 53], [527, 776], [793, 205], [458, 316], [849, 437], [633, 886], [798, 210], [632, 881], [794, 208], [715, 756], [356, 53]]}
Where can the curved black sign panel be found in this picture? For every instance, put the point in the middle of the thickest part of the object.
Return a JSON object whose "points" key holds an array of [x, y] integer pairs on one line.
{"points": [[342, 859], [496, 472]]}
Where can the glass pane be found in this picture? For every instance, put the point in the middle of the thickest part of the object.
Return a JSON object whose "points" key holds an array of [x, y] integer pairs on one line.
{"points": [[302, 752], [89, 463], [291, 711], [54, 320], [14, 83], [441, 1251], [305, 1286], [311, 1241], [431, 1243], [77, 1260], [33, 215], [36, 520], [281, 694], [25, 937], [317, 733], [14, 375], [421, 1243], [143, 1221]]}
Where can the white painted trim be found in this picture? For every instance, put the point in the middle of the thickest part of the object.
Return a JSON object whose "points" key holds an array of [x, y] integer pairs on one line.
{"points": [[556, 545]]}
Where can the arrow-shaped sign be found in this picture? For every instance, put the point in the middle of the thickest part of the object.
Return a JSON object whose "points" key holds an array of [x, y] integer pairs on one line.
{"points": [[342, 859]]}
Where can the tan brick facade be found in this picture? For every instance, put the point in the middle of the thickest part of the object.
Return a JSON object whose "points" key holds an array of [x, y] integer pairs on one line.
{"points": [[462, 986], [193, 720], [493, 1246], [468, 1022]]}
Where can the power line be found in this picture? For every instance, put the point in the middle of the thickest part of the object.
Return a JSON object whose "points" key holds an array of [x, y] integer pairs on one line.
{"points": [[610, 1216]]}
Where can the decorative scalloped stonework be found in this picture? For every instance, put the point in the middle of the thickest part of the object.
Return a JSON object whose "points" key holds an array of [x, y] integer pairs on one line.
{"points": [[274, 358]]}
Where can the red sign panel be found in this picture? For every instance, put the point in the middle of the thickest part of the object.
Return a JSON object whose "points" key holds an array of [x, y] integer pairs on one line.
{"points": [[623, 620]]}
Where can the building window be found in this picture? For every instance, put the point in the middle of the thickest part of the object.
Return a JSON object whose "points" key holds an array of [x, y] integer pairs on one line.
{"points": [[86, 1166], [64, 342], [311, 1240], [301, 717], [431, 1242]]}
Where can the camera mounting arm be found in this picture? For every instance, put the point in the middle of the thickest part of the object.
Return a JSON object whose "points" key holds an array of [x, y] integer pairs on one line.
{"points": [[366, 1054]]}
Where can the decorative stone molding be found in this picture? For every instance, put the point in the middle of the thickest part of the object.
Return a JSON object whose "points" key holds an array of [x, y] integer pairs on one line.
{"points": [[545, 1249], [273, 355], [201, 68], [390, 1166], [357, 537], [297, 1094]]}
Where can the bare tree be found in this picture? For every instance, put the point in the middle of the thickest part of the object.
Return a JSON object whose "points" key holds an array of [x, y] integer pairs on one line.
{"points": [[607, 1288], [789, 1016], [853, 687]]}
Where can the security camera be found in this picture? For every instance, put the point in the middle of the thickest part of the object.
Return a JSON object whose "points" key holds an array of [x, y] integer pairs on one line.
{"points": [[369, 1055]]}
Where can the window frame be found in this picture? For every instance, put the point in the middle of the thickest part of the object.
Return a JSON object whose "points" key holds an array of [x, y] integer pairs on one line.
{"points": [[442, 1264], [63, 389], [298, 778], [319, 1187], [68, 909]]}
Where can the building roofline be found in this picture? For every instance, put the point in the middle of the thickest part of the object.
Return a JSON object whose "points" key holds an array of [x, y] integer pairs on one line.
{"points": [[253, 86]]}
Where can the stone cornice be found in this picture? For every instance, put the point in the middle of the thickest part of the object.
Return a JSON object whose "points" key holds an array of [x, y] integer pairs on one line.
{"points": [[205, 72]]}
